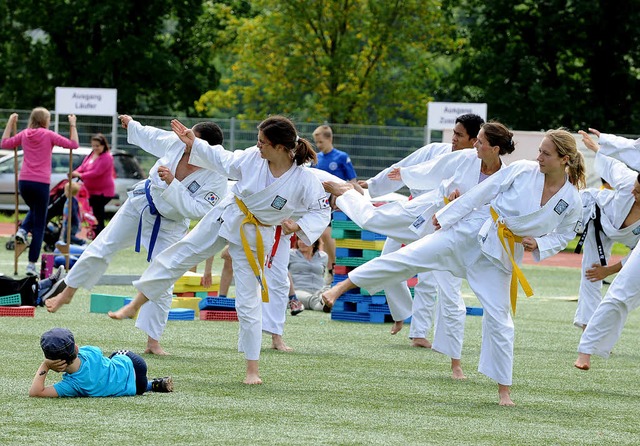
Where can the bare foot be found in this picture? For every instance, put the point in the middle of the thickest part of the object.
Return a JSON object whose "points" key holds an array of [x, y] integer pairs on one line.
{"points": [[337, 189], [126, 312], [328, 298], [397, 326], [53, 304], [583, 362], [420, 342], [155, 348], [504, 394], [456, 369], [252, 379], [277, 343]]}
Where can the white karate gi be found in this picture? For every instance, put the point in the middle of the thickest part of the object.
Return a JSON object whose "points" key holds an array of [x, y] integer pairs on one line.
{"points": [[622, 149], [271, 200], [469, 247], [177, 203], [422, 306], [614, 207]]}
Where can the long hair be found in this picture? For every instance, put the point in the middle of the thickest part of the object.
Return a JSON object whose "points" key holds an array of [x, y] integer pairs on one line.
{"points": [[280, 130], [566, 145], [102, 140]]}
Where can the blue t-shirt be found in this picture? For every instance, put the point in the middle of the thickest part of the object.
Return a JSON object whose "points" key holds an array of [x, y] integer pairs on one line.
{"points": [[98, 376], [337, 163]]}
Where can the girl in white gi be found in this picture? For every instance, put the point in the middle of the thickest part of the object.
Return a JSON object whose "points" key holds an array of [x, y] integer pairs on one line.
{"points": [[273, 189], [605, 326], [609, 215], [465, 131], [447, 176], [178, 191], [536, 205]]}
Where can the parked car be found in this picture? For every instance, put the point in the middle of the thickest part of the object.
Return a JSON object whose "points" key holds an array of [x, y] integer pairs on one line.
{"points": [[128, 173]]}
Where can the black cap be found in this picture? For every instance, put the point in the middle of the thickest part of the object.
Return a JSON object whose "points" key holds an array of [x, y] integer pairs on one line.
{"points": [[58, 343]]}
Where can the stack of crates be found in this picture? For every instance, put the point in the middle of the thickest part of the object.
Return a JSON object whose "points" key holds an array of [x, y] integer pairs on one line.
{"points": [[11, 305]]}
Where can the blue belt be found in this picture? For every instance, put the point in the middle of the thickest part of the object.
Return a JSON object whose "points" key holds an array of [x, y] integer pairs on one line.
{"points": [[156, 224]]}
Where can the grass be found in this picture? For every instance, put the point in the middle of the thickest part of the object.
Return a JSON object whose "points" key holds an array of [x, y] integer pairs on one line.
{"points": [[346, 383]]}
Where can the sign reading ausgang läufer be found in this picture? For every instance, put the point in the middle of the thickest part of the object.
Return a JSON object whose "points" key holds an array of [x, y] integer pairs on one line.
{"points": [[86, 101], [442, 115]]}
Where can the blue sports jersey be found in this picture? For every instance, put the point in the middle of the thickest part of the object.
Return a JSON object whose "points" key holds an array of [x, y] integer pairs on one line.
{"points": [[337, 163], [98, 376]]}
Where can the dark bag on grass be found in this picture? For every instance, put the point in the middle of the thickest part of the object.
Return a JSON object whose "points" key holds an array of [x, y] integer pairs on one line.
{"points": [[26, 288]]}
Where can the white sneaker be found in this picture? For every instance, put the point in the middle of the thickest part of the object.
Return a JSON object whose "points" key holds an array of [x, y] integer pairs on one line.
{"points": [[58, 274], [21, 236], [31, 269]]}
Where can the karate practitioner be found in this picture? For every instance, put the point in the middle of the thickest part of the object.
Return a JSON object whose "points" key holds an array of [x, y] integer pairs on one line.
{"points": [[273, 189], [178, 191], [534, 206], [623, 296], [465, 131], [408, 221], [610, 215]]}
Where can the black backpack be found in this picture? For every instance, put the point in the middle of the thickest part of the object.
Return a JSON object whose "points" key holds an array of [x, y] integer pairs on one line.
{"points": [[26, 288]]}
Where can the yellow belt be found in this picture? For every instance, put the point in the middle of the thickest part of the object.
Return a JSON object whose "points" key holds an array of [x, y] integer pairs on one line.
{"points": [[256, 266], [446, 201], [517, 275]]}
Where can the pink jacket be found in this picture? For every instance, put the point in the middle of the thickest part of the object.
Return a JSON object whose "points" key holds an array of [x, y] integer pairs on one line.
{"points": [[98, 175], [37, 145]]}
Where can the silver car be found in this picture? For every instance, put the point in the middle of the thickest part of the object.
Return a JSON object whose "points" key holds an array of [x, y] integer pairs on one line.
{"points": [[128, 173]]}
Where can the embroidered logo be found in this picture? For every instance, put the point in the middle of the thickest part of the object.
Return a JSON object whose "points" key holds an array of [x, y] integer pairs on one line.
{"points": [[579, 228], [636, 231], [211, 198], [193, 187], [333, 165], [278, 202], [561, 207], [323, 203], [418, 222]]}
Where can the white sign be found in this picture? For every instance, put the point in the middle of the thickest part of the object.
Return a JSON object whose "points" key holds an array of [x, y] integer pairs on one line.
{"points": [[86, 101], [442, 115]]}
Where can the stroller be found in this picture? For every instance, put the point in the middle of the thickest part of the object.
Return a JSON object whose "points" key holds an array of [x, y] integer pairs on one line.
{"points": [[56, 211]]}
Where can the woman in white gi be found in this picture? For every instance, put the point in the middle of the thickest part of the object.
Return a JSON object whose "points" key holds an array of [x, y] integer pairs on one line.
{"points": [[273, 189], [536, 205], [609, 215], [447, 176], [178, 191], [605, 326], [464, 133]]}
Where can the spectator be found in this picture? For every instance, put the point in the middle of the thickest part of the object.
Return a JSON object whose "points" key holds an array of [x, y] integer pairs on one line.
{"points": [[307, 265]]}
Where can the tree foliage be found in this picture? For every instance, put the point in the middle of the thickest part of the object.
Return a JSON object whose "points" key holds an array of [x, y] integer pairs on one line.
{"points": [[346, 61], [543, 64]]}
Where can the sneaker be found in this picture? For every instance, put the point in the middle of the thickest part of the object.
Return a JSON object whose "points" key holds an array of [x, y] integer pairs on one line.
{"points": [[21, 236], [162, 384], [58, 274], [295, 306], [31, 269], [55, 289]]}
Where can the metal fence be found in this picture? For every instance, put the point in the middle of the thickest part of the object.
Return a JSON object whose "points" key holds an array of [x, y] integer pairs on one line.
{"points": [[371, 148]]}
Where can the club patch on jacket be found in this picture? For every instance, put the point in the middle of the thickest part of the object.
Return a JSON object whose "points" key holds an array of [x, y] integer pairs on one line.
{"points": [[323, 203], [636, 231], [193, 187], [418, 222], [278, 202], [211, 198], [561, 207]]}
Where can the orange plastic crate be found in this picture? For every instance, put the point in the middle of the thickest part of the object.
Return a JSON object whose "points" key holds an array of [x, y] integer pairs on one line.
{"points": [[21, 311], [211, 315]]}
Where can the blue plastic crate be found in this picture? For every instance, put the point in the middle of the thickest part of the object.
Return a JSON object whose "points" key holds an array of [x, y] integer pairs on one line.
{"points": [[371, 236], [371, 318], [340, 216], [217, 303], [474, 311], [182, 314]]}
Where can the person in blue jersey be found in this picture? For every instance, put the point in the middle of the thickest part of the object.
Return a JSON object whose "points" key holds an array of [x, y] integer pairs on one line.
{"points": [[88, 373]]}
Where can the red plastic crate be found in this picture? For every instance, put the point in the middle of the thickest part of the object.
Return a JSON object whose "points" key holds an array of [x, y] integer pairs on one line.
{"points": [[341, 269], [212, 315], [21, 311]]}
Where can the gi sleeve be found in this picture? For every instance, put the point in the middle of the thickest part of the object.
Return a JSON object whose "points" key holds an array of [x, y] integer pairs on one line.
{"points": [[217, 158], [557, 240], [194, 205], [429, 174], [622, 149], [318, 213], [151, 139], [615, 172]]}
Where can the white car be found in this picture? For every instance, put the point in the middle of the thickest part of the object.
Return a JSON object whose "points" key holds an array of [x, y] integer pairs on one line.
{"points": [[128, 173]]}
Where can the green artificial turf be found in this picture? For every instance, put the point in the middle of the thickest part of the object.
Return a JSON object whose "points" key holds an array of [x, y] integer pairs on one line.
{"points": [[345, 383]]}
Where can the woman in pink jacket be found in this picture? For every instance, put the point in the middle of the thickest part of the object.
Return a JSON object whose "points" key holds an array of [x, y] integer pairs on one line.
{"points": [[37, 143], [97, 174]]}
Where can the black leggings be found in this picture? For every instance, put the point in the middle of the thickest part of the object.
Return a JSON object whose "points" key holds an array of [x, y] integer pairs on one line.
{"points": [[140, 369], [98, 202]]}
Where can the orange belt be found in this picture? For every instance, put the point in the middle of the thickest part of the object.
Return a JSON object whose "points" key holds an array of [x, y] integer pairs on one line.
{"points": [[256, 266], [517, 275]]}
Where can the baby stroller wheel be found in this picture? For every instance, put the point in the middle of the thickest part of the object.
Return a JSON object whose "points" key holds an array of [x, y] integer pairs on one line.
{"points": [[11, 244]]}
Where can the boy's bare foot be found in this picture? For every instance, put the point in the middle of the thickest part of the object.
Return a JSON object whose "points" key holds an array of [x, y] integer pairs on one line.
{"points": [[396, 327], [337, 189], [277, 343], [53, 304], [126, 312], [420, 342], [583, 362], [504, 394], [456, 369], [155, 348]]}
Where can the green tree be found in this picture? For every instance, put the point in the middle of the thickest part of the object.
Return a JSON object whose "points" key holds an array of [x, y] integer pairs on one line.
{"points": [[344, 61], [543, 64]]}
